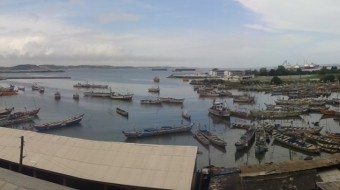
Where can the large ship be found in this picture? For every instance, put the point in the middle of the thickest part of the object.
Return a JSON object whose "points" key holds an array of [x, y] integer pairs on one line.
{"points": [[218, 109]]}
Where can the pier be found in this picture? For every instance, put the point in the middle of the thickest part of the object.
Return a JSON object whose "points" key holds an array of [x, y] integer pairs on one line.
{"points": [[36, 77], [299, 174], [88, 164]]}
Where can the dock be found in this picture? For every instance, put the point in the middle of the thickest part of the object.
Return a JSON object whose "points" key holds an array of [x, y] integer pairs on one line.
{"points": [[296, 174], [290, 166], [88, 164], [37, 77]]}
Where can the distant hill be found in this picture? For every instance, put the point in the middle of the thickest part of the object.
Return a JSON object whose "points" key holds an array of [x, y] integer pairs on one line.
{"points": [[22, 67], [28, 68]]}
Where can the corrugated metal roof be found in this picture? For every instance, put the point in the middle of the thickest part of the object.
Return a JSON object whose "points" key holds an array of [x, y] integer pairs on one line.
{"points": [[141, 165]]}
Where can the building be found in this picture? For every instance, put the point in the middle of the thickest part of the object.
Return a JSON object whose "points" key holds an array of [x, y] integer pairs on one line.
{"points": [[231, 75], [88, 164]]}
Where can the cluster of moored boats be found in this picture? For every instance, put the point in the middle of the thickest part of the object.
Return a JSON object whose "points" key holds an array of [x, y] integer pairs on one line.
{"points": [[305, 139], [10, 117], [8, 91]]}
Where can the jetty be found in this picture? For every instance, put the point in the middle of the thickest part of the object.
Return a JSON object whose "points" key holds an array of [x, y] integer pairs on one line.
{"points": [[35, 77], [88, 164], [300, 174]]}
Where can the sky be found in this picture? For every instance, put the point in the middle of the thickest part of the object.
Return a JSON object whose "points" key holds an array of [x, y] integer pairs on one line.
{"points": [[195, 33]]}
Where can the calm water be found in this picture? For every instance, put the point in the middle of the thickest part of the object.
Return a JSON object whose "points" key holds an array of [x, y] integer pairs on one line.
{"points": [[102, 123]]}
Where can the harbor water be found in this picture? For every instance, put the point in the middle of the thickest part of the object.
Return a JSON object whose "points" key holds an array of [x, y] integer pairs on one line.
{"points": [[101, 122]]}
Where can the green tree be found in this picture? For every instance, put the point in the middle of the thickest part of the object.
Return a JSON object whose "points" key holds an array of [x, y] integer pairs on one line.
{"points": [[263, 72], [276, 80], [328, 78], [334, 69], [281, 70]]}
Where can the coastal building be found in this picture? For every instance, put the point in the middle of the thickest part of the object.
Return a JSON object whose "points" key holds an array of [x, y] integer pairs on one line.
{"points": [[231, 75], [88, 164]]}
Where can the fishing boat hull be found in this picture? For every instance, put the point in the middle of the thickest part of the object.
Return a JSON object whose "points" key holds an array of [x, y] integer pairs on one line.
{"points": [[59, 124], [122, 97], [295, 143], [201, 139], [122, 112], [157, 132], [218, 113]]}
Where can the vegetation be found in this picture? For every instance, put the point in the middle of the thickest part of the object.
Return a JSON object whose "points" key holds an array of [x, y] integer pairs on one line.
{"points": [[276, 80], [328, 78], [282, 71]]}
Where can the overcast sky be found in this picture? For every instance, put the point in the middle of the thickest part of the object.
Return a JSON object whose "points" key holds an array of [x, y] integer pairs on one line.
{"points": [[200, 33]]}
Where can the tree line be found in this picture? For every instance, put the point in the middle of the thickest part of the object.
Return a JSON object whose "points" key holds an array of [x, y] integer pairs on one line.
{"points": [[282, 71]]}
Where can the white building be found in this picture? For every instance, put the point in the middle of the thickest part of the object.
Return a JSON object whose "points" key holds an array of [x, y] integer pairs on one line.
{"points": [[230, 75]]}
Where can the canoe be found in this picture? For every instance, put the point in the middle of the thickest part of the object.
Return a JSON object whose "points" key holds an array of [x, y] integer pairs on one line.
{"points": [[201, 138], [213, 138], [122, 112], [294, 142], [59, 124]]}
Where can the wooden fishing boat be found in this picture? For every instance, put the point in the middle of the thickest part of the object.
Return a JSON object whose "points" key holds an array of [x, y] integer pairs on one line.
{"points": [[21, 88], [7, 122], [122, 112], [260, 141], [329, 146], [154, 90], [245, 140], [151, 102], [311, 130], [97, 94], [19, 114], [240, 114], [59, 124], [201, 138], [334, 136], [156, 79], [244, 99], [320, 138], [158, 131], [328, 150], [186, 115], [118, 96], [41, 90], [169, 100], [76, 96], [185, 80], [241, 126], [295, 142], [6, 111], [8, 93], [218, 109], [209, 95], [35, 87], [57, 96], [213, 138], [87, 85], [327, 112]]}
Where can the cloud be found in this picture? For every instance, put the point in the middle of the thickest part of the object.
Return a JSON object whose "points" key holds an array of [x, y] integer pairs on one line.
{"points": [[118, 17], [259, 27], [297, 15]]}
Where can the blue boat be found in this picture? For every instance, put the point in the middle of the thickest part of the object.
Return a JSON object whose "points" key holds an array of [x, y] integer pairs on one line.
{"points": [[157, 131]]}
